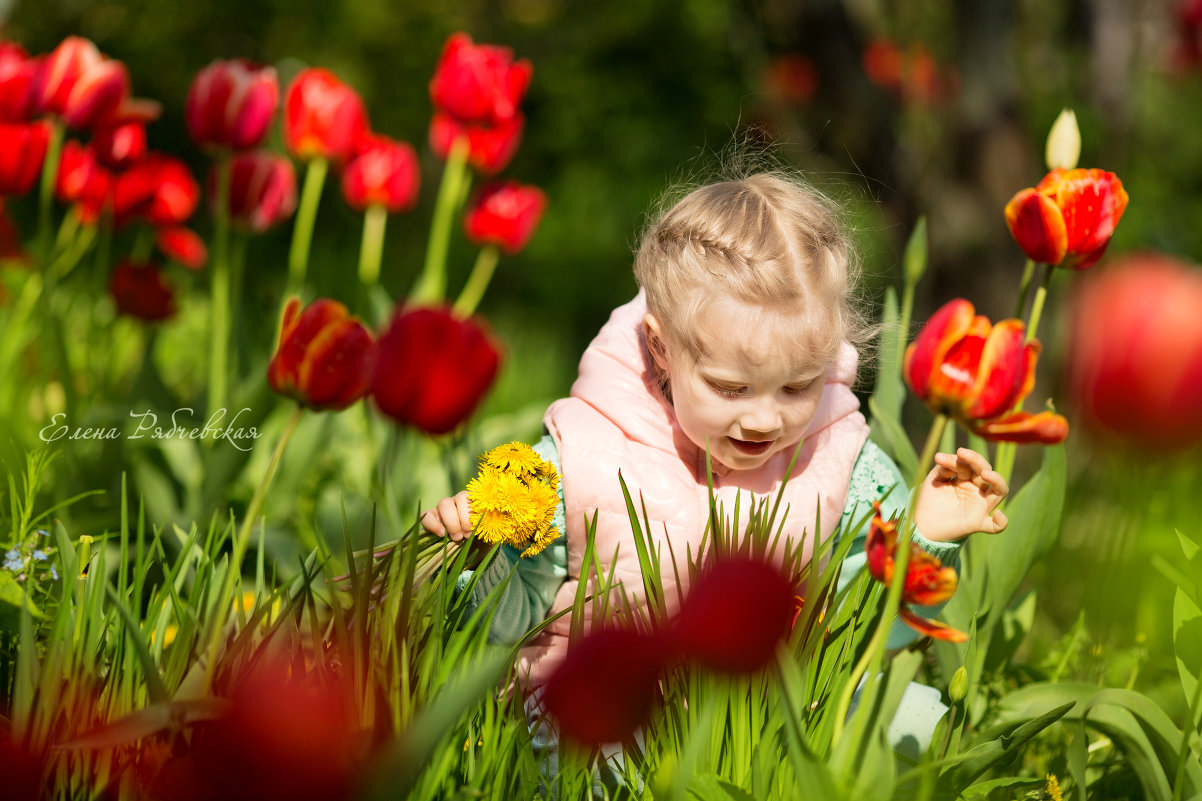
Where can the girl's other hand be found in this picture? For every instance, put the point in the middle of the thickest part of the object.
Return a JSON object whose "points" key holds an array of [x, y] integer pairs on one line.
{"points": [[451, 518], [960, 496]]}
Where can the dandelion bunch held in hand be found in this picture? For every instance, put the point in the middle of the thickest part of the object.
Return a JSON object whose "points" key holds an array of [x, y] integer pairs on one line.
{"points": [[513, 498]]}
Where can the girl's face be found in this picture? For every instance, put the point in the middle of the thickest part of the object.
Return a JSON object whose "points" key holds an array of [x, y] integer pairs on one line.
{"points": [[750, 396]]}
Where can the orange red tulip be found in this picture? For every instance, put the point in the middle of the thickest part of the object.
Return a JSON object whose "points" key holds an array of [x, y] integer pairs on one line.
{"points": [[383, 171], [505, 214], [962, 366], [323, 117], [78, 84], [324, 356], [22, 152], [927, 582], [1067, 219]]}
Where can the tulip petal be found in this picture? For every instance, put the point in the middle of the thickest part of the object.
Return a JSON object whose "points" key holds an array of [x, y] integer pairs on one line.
{"points": [[946, 326], [1047, 428], [1037, 226], [1091, 201], [928, 582], [880, 545], [1002, 373], [931, 628]]}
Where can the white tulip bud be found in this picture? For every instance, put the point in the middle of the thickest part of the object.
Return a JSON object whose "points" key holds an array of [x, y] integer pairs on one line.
{"points": [[1064, 142]]}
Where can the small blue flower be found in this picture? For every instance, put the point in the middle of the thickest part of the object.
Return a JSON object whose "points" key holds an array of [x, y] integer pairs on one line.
{"points": [[38, 555], [43, 532], [13, 560], [53, 573]]}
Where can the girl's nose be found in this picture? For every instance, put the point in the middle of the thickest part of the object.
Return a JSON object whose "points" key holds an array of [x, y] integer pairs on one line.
{"points": [[762, 417]]}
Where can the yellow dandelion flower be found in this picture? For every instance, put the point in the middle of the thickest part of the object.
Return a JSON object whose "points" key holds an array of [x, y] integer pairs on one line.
{"points": [[1051, 790], [513, 498], [514, 457], [541, 541]]}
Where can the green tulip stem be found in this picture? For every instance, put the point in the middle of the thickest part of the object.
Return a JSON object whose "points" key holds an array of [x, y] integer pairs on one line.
{"points": [[219, 317], [242, 542], [431, 285], [1041, 295], [302, 229], [477, 282], [875, 652], [371, 250], [1024, 288], [143, 245], [54, 147]]}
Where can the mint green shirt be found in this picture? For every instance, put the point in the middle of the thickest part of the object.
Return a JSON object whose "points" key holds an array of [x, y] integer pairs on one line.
{"points": [[525, 601]]}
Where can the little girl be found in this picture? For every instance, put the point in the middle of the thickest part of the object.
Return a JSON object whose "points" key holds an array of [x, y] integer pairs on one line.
{"points": [[739, 341]]}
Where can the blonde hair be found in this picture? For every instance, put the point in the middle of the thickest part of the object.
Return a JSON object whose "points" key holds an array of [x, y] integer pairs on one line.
{"points": [[767, 240]]}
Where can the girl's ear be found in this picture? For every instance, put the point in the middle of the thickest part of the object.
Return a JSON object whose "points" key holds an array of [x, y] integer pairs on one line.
{"points": [[656, 344]]}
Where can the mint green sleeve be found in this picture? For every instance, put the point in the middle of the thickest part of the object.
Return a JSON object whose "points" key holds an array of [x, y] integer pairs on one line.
{"points": [[876, 477], [525, 600]]}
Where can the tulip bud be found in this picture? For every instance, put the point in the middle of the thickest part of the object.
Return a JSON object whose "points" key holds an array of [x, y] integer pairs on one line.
{"points": [[22, 152], [139, 290], [505, 215], [324, 356], [322, 117], [231, 105], [915, 258], [82, 181], [432, 370], [958, 688], [262, 190], [478, 84], [383, 172], [1064, 142], [79, 84], [490, 148], [16, 71]]}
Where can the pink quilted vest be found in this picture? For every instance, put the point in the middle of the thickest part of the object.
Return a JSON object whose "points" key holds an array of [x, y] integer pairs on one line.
{"points": [[617, 419]]}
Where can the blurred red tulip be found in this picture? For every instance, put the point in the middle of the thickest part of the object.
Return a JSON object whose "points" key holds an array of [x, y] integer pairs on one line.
{"points": [[322, 117], [11, 245], [927, 583], [1188, 52], [22, 770], [82, 181], [16, 73], [383, 171], [118, 146], [324, 356], [78, 84], [285, 736], [490, 148], [791, 77], [1067, 219], [912, 74], [141, 291], [262, 190], [606, 686], [479, 84], [432, 369], [159, 189], [231, 104], [505, 215], [22, 152], [1135, 355], [962, 366], [182, 244], [734, 615], [882, 61]]}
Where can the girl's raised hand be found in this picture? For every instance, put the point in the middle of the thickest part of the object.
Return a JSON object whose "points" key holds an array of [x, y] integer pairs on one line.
{"points": [[451, 518], [960, 496]]}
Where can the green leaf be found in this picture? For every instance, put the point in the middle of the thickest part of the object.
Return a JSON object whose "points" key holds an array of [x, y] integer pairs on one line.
{"points": [[711, 787], [889, 394], [959, 775], [13, 599], [914, 261], [1013, 782], [1187, 640]]}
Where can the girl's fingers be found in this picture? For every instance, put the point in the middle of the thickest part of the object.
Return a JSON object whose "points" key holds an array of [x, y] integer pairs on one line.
{"points": [[448, 513], [432, 524], [463, 509], [997, 522]]}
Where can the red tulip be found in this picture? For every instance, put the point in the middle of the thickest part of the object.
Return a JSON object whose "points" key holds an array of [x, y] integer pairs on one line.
{"points": [[119, 146], [231, 104], [284, 735], [81, 180], [322, 117], [140, 290], [1068, 218], [1188, 52], [490, 148], [159, 189], [432, 369], [735, 615], [962, 366], [927, 583], [22, 152], [384, 171], [79, 84], [16, 73], [606, 686], [183, 245], [792, 78], [1135, 356], [505, 215], [324, 355], [262, 190], [23, 770], [479, 84]]}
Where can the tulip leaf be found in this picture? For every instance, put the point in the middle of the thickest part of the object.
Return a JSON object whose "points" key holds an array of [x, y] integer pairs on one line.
{"points": [[1187, 640], [13, 599], [889, 394]]}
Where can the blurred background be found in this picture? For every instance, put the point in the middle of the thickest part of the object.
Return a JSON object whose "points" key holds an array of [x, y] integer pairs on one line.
{"points": [[932, 107]]}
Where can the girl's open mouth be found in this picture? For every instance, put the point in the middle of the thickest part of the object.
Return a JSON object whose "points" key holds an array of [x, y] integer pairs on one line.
{"points": [[750, 448]]}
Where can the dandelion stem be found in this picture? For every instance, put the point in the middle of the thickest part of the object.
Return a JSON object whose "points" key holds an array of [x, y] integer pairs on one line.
{"points": [[219, 318], [371, 250], [302, 229], [431, 286], [477, 282]]}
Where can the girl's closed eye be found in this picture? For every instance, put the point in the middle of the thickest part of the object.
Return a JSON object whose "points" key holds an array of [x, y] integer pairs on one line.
{"points": [[725, 390]]}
